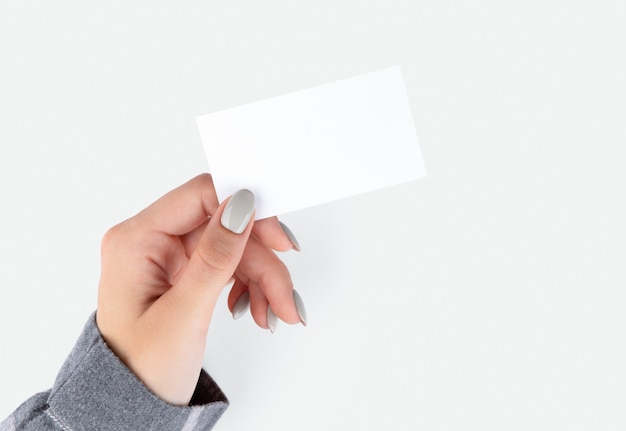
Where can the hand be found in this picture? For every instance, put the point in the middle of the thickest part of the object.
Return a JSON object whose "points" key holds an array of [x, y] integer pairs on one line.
{"points": [[163, 271]]}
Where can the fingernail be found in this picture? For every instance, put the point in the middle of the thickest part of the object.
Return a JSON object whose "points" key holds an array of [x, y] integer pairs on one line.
{"points": [[272, 320], [297, 299], [241, 306], [291, 236], [238, 211]]}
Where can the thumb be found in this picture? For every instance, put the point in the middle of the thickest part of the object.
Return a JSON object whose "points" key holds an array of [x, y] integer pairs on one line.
{"points": [[172, 332], [216, 257]]}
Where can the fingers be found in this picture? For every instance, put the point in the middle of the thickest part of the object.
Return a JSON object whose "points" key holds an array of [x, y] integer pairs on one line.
{"points": [[191, 211], [243, 296], [213, 262], [183, 209], [258, 305], [259, 265], [262, 278], [269, 273], [265, 281], [238, 303], [275, 234], [270, 231]]}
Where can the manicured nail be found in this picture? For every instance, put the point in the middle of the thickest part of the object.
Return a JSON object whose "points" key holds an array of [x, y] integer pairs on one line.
{"points": [[291, 236], [241, 306], [238, 211], [272, 320], [297, 299]]}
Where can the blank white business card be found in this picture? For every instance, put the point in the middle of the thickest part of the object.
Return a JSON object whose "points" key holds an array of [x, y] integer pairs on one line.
{"points": [[316, 145]]}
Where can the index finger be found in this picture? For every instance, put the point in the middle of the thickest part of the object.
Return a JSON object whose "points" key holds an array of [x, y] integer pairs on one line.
{"points": [[183, 209]]}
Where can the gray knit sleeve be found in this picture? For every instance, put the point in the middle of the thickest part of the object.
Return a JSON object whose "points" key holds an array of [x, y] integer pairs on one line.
{"points": [[95, 391]]}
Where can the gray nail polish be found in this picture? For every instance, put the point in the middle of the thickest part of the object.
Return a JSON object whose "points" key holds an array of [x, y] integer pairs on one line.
{"points": [[297, 299], [291, 236], [272, 320], [238, 211], [241, 306]]}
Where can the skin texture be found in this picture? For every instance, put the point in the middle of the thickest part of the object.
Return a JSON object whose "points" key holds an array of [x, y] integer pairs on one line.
{"points": [[162, 273]]}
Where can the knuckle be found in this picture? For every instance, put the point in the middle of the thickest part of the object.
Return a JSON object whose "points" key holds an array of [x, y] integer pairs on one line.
{"points": [[118, 236], [204, 180], [276, 274], [111, 238], [217, 256]]}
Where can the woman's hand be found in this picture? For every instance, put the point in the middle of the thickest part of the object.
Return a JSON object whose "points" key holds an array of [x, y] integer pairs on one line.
{"points": [[163, 271]]}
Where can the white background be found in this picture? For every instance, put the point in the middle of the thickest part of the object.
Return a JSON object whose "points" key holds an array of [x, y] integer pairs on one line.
{"points": [[488, 296]]}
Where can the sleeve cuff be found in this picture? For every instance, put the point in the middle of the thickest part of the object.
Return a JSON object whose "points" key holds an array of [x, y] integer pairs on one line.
{"points": [[95, 390]]}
